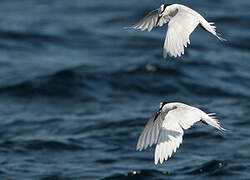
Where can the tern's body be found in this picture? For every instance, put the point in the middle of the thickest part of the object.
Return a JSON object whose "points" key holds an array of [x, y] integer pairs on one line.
{"points": [[182, 22], [165, 128]]}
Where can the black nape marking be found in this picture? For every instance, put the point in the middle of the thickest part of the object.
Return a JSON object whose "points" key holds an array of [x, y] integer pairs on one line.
{"points": [[162, 104], [159, 110], [168, 4], [164, 7], [156, 115]]}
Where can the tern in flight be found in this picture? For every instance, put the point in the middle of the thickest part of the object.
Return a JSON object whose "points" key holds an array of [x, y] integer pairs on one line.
{"points": [[165, 128], [182, 21]]}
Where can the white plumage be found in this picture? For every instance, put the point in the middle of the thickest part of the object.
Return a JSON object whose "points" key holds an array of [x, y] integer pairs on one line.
{"points": [[182, 22], [165, 128]]}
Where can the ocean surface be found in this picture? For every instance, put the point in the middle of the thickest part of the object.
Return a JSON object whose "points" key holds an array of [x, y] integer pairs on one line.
{"points": [[76, 90]]}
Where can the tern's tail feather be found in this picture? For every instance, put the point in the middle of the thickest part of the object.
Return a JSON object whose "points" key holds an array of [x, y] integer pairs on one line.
{"points": [[210, 27], [209, 119]]}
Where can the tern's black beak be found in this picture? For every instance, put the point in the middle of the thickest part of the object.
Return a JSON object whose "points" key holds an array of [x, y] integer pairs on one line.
{"points": [[158, 19], [157, 114]]}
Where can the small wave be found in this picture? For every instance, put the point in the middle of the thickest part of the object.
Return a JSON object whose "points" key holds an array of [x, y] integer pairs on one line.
{"points": [[240, 43], [204, 135], [61, 83], [38, 145], [66, 82], [139, 174], [29, 36], [208, 167], [213, 168]]}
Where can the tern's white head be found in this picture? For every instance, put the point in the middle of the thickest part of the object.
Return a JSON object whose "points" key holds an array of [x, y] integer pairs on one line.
{"points": [[162, 8], [164, 107]]}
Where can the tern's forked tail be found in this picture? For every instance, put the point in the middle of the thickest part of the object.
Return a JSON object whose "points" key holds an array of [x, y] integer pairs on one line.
{"points": [[210, 27], [212, 121]]}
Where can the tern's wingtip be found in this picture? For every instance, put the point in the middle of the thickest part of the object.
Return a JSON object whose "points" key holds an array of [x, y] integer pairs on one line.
{"points": [[224, 130], [222, 39]]}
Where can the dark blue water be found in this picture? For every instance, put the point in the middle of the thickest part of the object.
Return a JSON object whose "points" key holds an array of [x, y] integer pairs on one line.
{"points": [[76, 90]]}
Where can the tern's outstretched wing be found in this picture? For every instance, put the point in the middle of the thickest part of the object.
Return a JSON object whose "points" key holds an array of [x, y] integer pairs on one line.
{"points": [[171, 132], [170, 136], [167, 129], [179, 29], [150, 133], [151, 20]]}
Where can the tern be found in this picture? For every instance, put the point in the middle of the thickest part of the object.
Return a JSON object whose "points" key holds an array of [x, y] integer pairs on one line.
{"points": [[182, 21], [165, 128]]}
